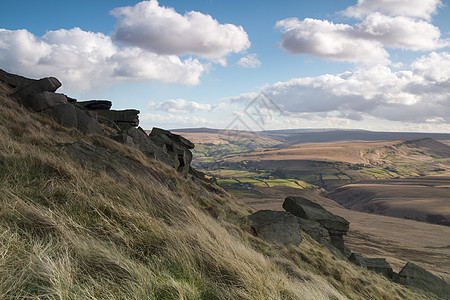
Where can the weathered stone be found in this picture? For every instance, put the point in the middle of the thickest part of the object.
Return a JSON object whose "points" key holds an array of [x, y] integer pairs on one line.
{"points": [[172, 136], [415, 276], [48, 84], [39, 101], [338, 241], [64, 114], [15, 81], [276, 227], [335, 225], [176, 146], [306, 209], [335, 251], [70, 116], [358, 259], [36, 95], [142, 142], [108, 123], [94, 104], [127, 116], [379, 265], [315, 230], [86, 124]]}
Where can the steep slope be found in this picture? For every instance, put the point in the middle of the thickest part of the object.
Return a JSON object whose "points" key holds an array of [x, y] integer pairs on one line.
{"points": [[84, 217]]}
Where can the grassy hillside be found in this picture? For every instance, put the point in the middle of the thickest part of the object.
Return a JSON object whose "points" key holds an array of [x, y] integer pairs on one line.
{"points": [[83, 217]]}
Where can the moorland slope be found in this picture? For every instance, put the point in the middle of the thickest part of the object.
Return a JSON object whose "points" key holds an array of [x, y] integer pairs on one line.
{"points": [[85, 217]]}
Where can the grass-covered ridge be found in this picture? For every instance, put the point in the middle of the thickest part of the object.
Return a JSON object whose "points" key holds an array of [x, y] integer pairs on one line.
{"points": [[88, 218]]}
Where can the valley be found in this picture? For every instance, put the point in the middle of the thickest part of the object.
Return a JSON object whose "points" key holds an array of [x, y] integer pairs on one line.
{"points": [[395, 193]]}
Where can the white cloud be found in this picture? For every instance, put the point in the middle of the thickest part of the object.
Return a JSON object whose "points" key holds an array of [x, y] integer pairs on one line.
{"points": [[401, 32], [418, 95], [137, 65], [83, 60], [385, 24], [148, 120], [325, 39], [249, 61], [180, 106], [408, 8], [434, 67], [154, 37], [162, 30]]}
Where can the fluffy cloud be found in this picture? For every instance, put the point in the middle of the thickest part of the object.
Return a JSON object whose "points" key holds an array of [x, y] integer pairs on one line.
{"points": [[249, 61], [408, 8], [418, 95], [162, 30], [154, 36], [333, 41], [401, 32], [83, 60], [434, 67], [148, 120], [180, 106], [385, 24]]}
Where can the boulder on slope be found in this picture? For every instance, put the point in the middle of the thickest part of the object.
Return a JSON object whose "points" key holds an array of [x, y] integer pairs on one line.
{"points": [[415, 276], [306, 209], [276, 227]]}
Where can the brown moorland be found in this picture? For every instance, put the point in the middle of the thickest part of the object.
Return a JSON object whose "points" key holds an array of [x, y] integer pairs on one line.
{"points": [[423, 198]]}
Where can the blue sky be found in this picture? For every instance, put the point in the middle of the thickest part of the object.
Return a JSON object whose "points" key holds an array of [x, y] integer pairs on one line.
{"points": [[369, 64]]}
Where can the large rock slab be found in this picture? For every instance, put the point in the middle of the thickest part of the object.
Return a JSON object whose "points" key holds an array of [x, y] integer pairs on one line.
{"points": [[64, 114], [70, 116], [172, 136], [306, 209], [123, 118], [380, 266], [15, 81], [48, 84], [276, 227], [86, 124], [94, 104], [39, 101], [415, 276]]}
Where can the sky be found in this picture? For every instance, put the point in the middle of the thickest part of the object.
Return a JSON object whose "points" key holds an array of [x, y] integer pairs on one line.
{"points": [[381, 65]]}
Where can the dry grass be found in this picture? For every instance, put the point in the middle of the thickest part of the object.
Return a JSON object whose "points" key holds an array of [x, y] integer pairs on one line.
{"points": [[69, 231]]}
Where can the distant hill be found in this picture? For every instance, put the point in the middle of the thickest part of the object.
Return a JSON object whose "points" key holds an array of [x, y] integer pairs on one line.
{"points": [[299, 136]]}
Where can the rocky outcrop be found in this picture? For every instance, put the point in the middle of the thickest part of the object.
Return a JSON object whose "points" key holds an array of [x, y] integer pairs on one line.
{"points": [[70, 116], [176, 146], [97, 117], [125, 119], [380, 266], [137, 138], [336, 226], [276, 227], [358, 259], [39, 96], [94, 104], [415, 276], [302, 214]]}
